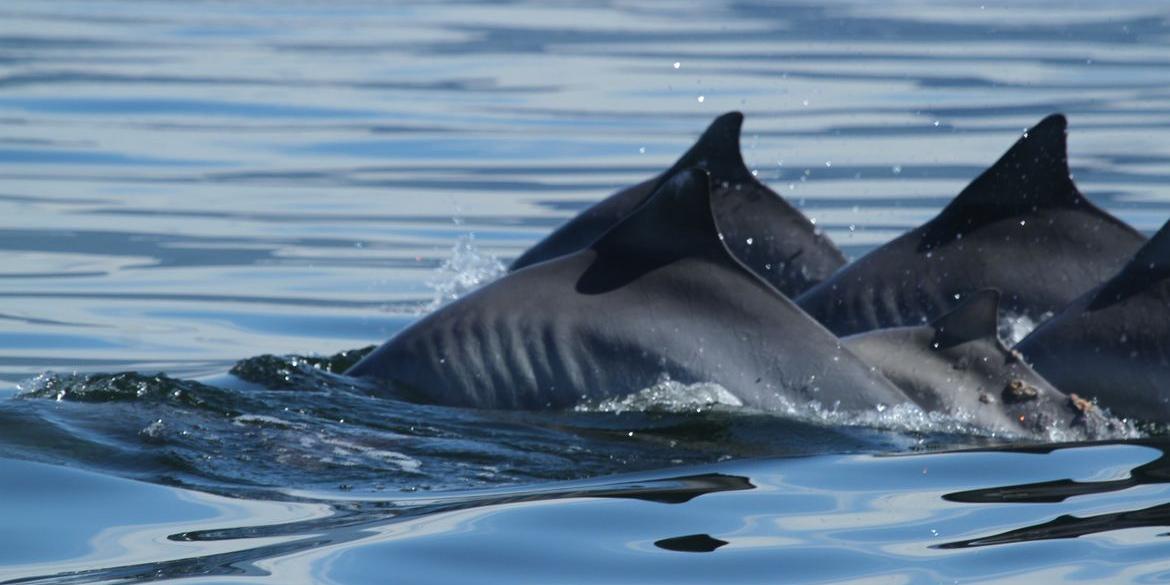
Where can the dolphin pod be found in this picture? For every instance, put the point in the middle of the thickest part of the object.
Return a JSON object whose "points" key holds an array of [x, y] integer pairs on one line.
{"points": [[1021, 227], [658, 294], [1113, 343], [760, 228], [689, 276], [956, 364]]}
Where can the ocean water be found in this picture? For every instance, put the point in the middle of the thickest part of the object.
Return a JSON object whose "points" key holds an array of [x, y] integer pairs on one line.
{"points": [[209, 209]]}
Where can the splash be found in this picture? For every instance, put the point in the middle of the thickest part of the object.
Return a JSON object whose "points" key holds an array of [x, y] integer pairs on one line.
{"points": [[668, 396], [465, 270], [1013, 328]]}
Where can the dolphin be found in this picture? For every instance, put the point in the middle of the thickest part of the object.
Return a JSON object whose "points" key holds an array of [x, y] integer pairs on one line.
{"points": [[1113, 343], [762, 230], [957, 365], [1021, 227], [658, 294]]}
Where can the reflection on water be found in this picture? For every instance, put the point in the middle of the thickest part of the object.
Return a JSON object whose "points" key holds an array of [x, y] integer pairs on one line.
{"points": [[802, 520], [183, 187]]}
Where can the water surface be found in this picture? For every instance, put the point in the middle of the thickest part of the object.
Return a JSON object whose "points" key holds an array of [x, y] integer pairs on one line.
{"points": [[186, 188]]}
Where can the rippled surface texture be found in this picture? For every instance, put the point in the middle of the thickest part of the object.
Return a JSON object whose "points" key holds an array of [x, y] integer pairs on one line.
{"points": [[192, 188]]}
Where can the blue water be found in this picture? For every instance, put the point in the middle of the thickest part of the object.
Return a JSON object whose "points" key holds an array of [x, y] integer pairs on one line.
{"points": [[192, 189]]}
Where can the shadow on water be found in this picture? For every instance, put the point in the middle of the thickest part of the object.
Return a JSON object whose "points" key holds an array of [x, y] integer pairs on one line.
{"points": [[1156, 472], [354, 521], [784, 509]]}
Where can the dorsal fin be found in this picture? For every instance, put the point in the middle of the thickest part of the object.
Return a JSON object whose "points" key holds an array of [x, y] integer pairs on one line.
{"points": [[977, 317], [716, 151], [1031, 175], [1150, 265], [676, 222]]}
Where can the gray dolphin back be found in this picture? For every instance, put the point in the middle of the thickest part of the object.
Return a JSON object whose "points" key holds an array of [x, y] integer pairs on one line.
{"points": [[1021, 227], [957, 365], [658, 294], [1113, 343], [763, 231]]}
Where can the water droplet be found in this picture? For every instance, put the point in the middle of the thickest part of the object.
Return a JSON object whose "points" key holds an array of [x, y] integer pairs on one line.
{"points": [[701, 98], [812, 220], [936, 123], [755, 173], [677, 64], [1023, 221]]}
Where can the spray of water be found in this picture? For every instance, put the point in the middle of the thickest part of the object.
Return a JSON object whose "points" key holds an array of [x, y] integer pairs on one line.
{"points": [[465, 270]]}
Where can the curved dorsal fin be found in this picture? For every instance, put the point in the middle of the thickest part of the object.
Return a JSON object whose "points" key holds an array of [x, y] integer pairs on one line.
{"points": [[977, 317], [676, 222], [1150, 265], [716, 151], [1031, 175]]}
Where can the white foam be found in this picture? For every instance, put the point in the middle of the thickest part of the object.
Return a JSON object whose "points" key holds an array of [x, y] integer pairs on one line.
{"points": [[1013, 328], [668, 396], [264, 420], [671, 396], [347, 450]]}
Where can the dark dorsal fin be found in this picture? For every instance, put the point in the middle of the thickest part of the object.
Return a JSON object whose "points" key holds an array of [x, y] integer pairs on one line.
{"points": [[977, 317], [675, 223], [716, 151], [1149, 266], [1031, 175]]}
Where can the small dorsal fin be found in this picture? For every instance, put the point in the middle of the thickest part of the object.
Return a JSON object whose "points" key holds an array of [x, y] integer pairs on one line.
{"points": [[977, 317], [1031, 175], [716, 151], [1150, 265]]}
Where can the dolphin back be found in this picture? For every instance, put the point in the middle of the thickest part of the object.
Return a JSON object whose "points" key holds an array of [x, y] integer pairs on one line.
{"points": [[763, 231], [657, 295]]}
